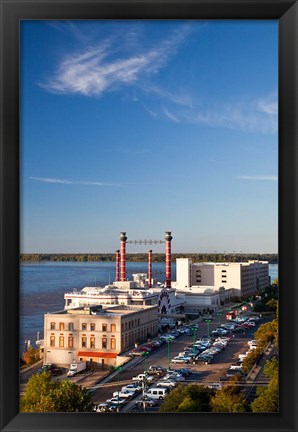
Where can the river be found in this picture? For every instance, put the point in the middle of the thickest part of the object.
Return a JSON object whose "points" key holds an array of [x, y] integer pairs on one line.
{"points": [[42, 287]]}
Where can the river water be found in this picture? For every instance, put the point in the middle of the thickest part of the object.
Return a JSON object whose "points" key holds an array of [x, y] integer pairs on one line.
{"points": [[42, 287]]}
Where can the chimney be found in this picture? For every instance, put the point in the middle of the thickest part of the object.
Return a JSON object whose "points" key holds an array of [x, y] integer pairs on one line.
{"points": [[150, 269], [123, 239], [117, 265], [168, 239]]}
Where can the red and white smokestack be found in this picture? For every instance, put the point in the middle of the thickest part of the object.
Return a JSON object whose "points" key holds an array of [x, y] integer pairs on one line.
{"points": [[123, 239], [117, 264], [150, 268], [168, 239]]}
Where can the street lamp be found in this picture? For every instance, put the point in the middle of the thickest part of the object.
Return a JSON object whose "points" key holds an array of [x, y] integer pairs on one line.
{"points": [[219, 318], [119, 369], [168, 342], [194, 329], [208, 327], [144, 383]]}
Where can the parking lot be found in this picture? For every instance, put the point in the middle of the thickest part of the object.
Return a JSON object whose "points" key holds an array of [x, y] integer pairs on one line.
{"points": [[201, 373]]}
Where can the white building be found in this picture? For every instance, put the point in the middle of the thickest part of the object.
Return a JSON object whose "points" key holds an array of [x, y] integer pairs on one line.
{"points": [[134, 293], [245, 278]]}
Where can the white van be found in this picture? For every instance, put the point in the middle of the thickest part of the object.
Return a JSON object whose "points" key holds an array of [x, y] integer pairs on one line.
{"points": [[157, 393]]}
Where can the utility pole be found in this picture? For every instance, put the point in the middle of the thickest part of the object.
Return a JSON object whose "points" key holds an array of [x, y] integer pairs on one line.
{"points": [[168, 342], [119, 369]]}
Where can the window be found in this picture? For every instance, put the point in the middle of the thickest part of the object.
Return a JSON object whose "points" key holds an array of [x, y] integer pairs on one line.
{"points": [[70, 341], [104, 327], [52, 341], [92, 342], [61, 341], [113, 327], [61, 326], [84, 342], [84, 326], [92, 327], [53, 326], [113, 343], [104, 342], [70, 326]]}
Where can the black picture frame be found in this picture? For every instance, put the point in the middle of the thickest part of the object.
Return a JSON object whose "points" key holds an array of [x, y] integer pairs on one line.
{"points": [[286, 12]]}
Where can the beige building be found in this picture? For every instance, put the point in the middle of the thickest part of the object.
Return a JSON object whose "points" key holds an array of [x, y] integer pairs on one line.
{"points": [[245, 278], [96, 335]]}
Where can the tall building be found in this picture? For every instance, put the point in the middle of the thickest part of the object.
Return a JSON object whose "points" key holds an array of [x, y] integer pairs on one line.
{"points": [[245, 278], [95, 334]]}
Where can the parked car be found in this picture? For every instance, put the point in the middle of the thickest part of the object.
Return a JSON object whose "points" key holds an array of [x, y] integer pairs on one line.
{"points": [[157, 393], [166, 384], [125, 393], [156, 370], [105, 407], [236, 366], [181, 359], [142, 377], [116, 401], [215, 386], [56, 371], [184, 371], [133, 387], [147, 402]]}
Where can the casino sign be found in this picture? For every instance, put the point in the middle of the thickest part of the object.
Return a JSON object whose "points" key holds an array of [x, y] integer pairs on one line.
{"points": [[164, 303]]}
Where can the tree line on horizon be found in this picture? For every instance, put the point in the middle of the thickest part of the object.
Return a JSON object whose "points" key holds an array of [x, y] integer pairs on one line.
{"points": [[143, 257]]}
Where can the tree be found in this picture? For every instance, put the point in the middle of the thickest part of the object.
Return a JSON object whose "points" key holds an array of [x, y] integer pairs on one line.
{"points": [[228, 399], [275, 282], [31, 355], [45, 395], [251, 359], [267, 400], [191, 398], [272, 304], [266, 333]]}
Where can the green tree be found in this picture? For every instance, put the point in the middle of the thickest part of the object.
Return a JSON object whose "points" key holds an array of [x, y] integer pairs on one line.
{"points": [[251, 359], [43, 394], [228, 399], [271, 368], [272, 304], [267, 400], [266, 333], [191, 398]]}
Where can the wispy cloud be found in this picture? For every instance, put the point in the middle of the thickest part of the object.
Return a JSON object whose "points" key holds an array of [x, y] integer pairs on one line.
{"points": [[269, 104], [72, 182], [95, 70], [258, 177], [254, 116], [170, 116]]}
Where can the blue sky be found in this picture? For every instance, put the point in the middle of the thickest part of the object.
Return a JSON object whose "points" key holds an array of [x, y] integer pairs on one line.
{"points": [[148, 126]]}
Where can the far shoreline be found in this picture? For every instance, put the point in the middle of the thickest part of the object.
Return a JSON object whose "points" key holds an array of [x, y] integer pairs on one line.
{"points": [[272, 258]]}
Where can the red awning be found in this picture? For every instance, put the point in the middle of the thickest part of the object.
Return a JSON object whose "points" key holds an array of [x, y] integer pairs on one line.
{"points": [[97, 354]]}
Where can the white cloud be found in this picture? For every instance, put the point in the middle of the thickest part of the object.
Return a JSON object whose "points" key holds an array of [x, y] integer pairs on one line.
{"points": [[258, 177], [95, 70], [72, 182]]}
